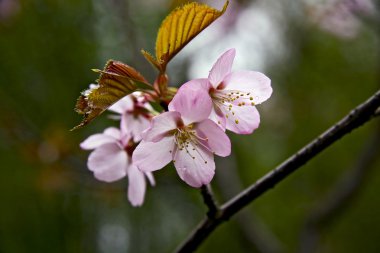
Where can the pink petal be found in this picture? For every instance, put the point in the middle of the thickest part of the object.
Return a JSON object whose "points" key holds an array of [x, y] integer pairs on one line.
{"points": [[200, 83], [136, 186], [150, 177], [96, 140], [150, 156], [222, 67], [125, 140], [161, 125], [242, 119], [256, 84], [218, 117], [195, 165], [109, 135], [108, 162], [216, 140], [113, 131], [194, 103], [123, 105], [134, 125]]}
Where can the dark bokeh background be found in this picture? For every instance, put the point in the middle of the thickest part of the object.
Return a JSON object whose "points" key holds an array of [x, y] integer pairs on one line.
{"points": [[50, 202]]}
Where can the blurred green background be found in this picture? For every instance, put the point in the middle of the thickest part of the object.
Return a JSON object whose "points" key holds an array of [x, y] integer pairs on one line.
{"points": [[50, 202]]}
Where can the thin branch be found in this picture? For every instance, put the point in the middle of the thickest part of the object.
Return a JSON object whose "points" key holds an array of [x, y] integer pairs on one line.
{"points": [[209, 200], [357, 117]]}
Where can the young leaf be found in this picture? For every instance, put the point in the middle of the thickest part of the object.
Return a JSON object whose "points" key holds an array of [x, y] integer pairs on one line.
{"points": [[150, 58], [180, 27], [115, 82]]}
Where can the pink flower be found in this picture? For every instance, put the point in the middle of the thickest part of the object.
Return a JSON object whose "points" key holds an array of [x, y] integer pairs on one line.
{"points": [[135, 115], [111, 161], [234, 94], [186, 136]]}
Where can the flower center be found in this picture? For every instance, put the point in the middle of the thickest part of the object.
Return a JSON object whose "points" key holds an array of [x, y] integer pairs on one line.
{"points": [[130, 147], [184, 135], [227, 99], [187, 140]]}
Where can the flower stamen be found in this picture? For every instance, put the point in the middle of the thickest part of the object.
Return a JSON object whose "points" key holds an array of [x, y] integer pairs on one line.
{"points": [[184, 138], [227, 99]]}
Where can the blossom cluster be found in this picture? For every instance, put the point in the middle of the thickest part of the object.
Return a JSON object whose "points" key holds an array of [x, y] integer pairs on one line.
{"points": [[190, 133]]}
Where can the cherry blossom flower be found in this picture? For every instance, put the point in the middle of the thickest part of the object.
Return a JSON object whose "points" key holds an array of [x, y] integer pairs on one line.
{"points": [[135, 114], [186, 136], [234, 94], [111, 161]]}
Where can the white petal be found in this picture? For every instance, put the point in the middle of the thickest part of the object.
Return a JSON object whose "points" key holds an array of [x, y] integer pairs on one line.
{"points": [[218, 117], [195, 165], [150, 156], [150, 177], [123, 105], [136, 186], [161, 125], [110, 135], [113, 131], [108, 162], [242, 119], [222, 67], [256, 84], [193, 102], [214, 138], [134, 125]]}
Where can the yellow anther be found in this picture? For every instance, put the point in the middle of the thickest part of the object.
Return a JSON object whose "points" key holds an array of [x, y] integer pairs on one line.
{"points": [[236, 121]]}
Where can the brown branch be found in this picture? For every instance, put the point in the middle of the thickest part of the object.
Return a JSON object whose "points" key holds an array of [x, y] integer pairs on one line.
{"points": [[209, 200], [357, 117]]}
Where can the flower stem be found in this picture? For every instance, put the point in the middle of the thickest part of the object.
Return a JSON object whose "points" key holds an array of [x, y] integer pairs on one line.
{"points": [[209, 200]]}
